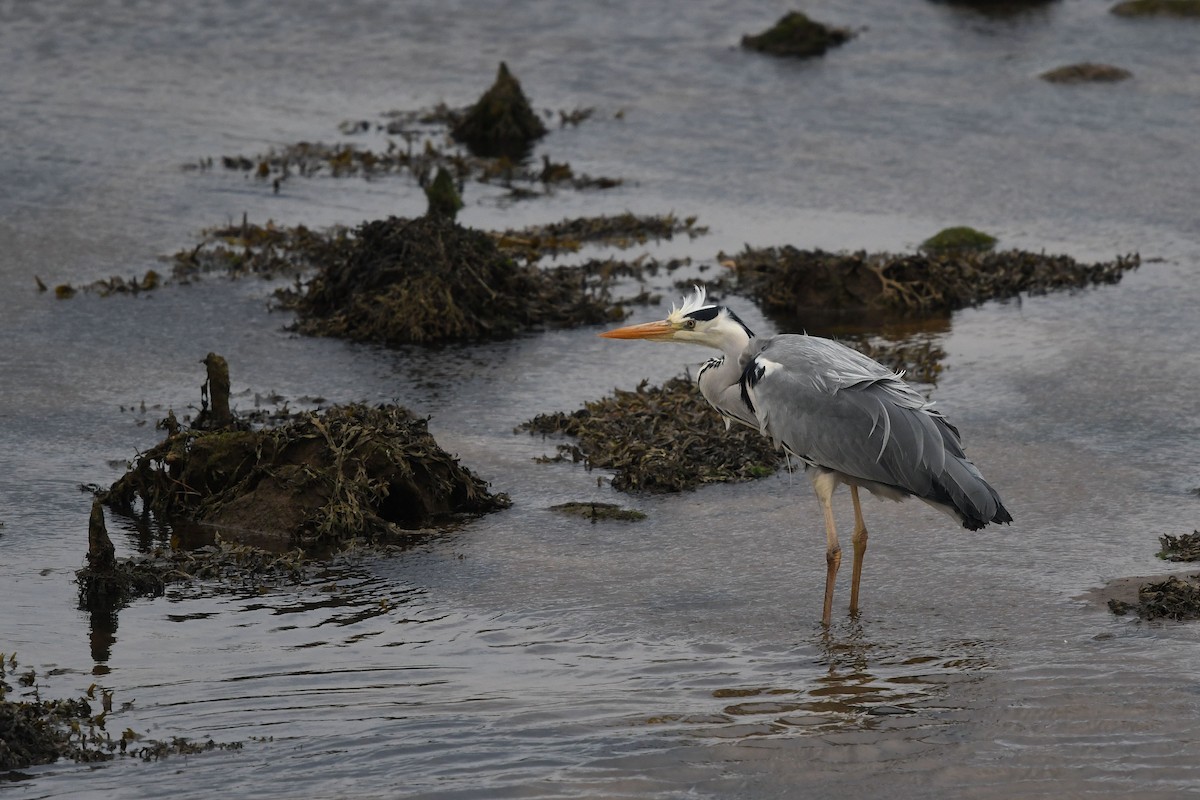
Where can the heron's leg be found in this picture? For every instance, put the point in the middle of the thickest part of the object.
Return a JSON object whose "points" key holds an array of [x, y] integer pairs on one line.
{"points": [[859, 539], [824, 483]]}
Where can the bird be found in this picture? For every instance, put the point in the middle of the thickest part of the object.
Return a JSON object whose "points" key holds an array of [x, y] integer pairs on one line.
{"points": [[847, 418]]}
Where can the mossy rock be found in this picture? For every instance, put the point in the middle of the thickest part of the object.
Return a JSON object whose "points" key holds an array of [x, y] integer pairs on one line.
{"points": [[426, 280], [1086, 72], [501, 123], [796, 36], [1157, 8], [958, 238], [444, 200]]}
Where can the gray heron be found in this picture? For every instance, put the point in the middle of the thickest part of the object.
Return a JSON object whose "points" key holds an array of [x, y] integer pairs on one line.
{"points": [[845, 416]]}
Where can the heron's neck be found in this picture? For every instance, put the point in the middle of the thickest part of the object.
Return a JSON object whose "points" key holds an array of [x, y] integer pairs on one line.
{"points": [[731, 339]]}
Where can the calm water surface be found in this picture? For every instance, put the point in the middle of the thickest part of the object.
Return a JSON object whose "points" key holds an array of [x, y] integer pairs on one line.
{"points": [[531, 656]]}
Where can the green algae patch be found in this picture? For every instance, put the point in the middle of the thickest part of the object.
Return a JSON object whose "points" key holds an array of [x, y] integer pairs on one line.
{"points": [[1157, 8], [402, 281], [791, 282], [658, 439], [501, 123], [796, 36], [957, 239], [599, 511], [1086, 72]]}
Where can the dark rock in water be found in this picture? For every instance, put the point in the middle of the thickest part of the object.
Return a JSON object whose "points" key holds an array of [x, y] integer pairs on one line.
{"points": [[501, 123], [797, 36], [1086, 72], [1157, 8], [403, 281]]}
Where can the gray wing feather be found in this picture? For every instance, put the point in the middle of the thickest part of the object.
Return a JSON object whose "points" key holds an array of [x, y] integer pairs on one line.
{"points": [[834, 407]]}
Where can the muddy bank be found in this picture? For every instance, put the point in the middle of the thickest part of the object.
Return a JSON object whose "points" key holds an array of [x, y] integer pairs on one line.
{"points": [[791, 282], [658, 439]]}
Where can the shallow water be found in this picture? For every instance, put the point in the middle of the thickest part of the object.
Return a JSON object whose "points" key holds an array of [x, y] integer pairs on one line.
{"points": [[529, 655]]}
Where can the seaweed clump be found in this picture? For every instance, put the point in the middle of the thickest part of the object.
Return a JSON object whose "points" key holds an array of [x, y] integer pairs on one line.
{"points": [[659, 439], [797, 36], [501, 123], [1172, 598], [1180, 548], [789, 281], [37, 731], [1086, 72], [402, 281]]}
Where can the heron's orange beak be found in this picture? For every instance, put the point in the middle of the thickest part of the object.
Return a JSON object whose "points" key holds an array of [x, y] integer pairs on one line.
{"points": [[655, 331]]}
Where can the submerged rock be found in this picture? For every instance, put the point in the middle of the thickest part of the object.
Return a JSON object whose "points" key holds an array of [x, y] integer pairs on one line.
{"points": [[501, 123], [1157, 8], [1086, 72], [797, 36]]}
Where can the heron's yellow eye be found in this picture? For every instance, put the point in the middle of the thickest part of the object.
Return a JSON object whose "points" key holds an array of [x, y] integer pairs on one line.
{"points": [[690, 324]]}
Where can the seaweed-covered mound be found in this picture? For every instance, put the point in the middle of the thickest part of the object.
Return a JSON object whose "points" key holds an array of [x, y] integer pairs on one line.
{"points": [[501, 123], [797, 36], [1157, 8], [1086, 72], [789, 281], [1171, 598], [660, 439], [428, 279], [350, 471]]}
